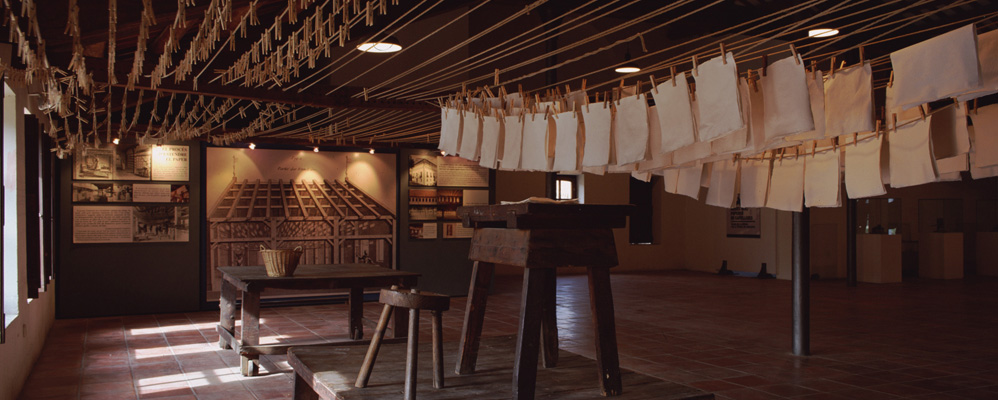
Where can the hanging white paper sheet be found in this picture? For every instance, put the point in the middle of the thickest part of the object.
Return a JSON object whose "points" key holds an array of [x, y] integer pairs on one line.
{"points": [[670, 179], [737, 141], [658, 159], [755, 175], [949, 132], [576, 99], [566, 153], [822, 179], [911, 155], [631, 129], [643, 176], [788, 103], [597, 121], [450, 130], [717, 98], [723, 184], [535, 143], [816, 95], [471, 136], [672, 101], [786, 190], [941, 67], [849, 101], [863, 178], [757, 121], [986, 135], [512, 143], [950, 168], [976, 171], [689, 181], [987, 53], [893, 110], [491, 133]]}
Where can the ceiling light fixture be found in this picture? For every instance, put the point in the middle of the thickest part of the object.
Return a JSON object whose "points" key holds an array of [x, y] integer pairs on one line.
{"points": [[388, 45], [822, 32], [315, 149], [629, 66], [443, 153], [252, 146], [371, 151], [115, 141]]}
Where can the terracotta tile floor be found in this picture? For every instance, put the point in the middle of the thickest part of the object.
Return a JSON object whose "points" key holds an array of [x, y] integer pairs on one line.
{"points": [[727, 335]]}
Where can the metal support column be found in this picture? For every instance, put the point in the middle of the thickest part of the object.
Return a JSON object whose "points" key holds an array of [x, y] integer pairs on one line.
{"points": [[850, 242], [802, 283]]}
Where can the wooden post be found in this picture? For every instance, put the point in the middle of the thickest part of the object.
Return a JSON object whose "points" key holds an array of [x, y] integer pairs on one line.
{"points": [[474, 317], [801, 284], [604, 331], [250, 364], [528, 337], [549, 318], [356, 301]]}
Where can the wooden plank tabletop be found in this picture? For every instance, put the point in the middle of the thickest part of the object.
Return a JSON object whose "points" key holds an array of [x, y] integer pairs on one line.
{"points": [[333, 370], [535, 215], [305, 272]]}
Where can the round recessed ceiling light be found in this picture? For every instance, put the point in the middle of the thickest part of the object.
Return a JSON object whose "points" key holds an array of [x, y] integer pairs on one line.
{"points": [[822, 32], [389, 45], [627, 69]]}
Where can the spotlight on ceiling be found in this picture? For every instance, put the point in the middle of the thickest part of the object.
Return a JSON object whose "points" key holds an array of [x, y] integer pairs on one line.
{"points": [[388, 45], [252, 146], [628, 66], [822, 32]]}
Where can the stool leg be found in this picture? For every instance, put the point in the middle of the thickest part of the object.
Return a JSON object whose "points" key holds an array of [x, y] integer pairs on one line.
{"points": [[372, 350], [438, 350], [356, 301], [412, 355], [605, 331], [474, 317], [549, 319], [528, 338]]}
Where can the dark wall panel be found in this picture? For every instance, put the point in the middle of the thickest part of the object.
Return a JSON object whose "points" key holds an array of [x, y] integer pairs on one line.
{"points": [[128, 278]]}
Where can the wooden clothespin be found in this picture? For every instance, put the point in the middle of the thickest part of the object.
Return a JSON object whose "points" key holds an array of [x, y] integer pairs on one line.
{"points": [[793, 53], [654, 88], [752, 81], [583, 84], [814, 148], [835, 144], [855, 138], [814, 66], [890, 81], [637, 88], [894, 116], [765, 63], [495, 80], [975, 106], [695, 65], [862, 55], [832, 64], [672, 75], [365, 94], [724, 59], [921, 110]]}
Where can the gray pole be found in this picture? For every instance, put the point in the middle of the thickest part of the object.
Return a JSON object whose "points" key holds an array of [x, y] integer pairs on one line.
{"points": [[802, 283]]}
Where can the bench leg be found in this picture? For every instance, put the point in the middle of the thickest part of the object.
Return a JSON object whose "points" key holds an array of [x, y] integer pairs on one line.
{"points": [[227, 313], [525, 363], [302, 390], [438, 350], [549, 319], [356, 301], [604, 331], [474, 317], [250, 364], [372, 350], [412, 355]]}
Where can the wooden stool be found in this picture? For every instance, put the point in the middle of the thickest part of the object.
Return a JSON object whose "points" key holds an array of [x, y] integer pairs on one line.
{"points": [[414, 301]]}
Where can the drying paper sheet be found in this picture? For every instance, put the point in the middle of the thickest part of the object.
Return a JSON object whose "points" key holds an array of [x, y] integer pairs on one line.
{"points": [[658, 158], [816, 94], [950, 168], [822, 179], [450, 130], [471, 135], [849, 101], [491, 132], [787, 101], [754, 181], [670, 179], [631, 129], [566, 151], [597, 120], [786, 189], [756, 121], [911, 155], [977, 171], [717, 98], [689, 181], [723, 184], [535, 143], [987, 53], [863, 168], [949, 132], [986, 135], [941, 67], [737, 141], [672, 101], [513, 132]]}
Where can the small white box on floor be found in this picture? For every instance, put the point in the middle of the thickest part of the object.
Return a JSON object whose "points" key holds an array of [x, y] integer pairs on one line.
{"points": [[878, 258]]}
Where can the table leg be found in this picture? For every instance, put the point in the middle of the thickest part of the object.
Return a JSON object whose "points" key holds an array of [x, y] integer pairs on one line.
{"points": [[250, 363], [528, 337], [302, 391], [549, 318], [227, 313], [356, 313], [604, 330], [474, 317]]}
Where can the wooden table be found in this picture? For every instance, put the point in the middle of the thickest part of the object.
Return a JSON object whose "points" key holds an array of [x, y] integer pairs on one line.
{"points": [[329, 372], [540, 238], [253, 279]]}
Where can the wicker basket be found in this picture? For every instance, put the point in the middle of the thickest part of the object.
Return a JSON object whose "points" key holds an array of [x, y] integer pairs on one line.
{"points": [[280, 262]]}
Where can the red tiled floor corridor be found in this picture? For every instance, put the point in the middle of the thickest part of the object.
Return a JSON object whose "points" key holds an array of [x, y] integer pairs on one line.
{"points": [[727, 335]]}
